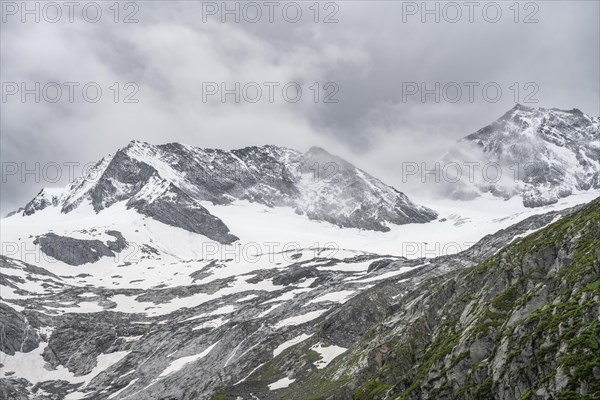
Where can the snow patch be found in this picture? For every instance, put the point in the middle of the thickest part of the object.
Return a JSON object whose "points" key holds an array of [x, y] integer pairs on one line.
{"points": [[179, 363], [282, 383], [300, 319], [327, 353]]}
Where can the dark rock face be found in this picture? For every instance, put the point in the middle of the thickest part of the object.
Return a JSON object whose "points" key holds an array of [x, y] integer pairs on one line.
{"points": [[78, 251], [7, 264], [293, 275], [15, 333], [14, 389], [118, 244], [175, 208], [39, 202], [123, 177], [376, 265], [542, 155], [78, 342], [350, 323]]}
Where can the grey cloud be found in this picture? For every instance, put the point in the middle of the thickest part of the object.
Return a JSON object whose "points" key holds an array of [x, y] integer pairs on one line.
{"points": [[369, 53]]}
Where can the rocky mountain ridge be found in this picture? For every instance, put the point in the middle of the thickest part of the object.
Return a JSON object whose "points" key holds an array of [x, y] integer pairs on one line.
{"points": [[538, 154], [176, 183]]}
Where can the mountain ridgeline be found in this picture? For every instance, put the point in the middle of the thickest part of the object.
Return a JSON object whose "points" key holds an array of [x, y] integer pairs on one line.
{"points": [[176, 184]]}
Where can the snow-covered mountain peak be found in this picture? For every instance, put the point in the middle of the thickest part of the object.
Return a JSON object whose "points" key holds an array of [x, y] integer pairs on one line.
{"points": [[177, 184], [539, 154], [545, 123]]}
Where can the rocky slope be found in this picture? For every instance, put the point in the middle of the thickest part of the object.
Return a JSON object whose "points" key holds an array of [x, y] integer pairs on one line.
{"points": [[538, 154], [523, 324], [177, 184], [296, 324]]}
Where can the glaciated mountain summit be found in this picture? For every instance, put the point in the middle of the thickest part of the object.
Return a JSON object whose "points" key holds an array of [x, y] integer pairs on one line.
{"points": [[176, 184], [536, 153]]}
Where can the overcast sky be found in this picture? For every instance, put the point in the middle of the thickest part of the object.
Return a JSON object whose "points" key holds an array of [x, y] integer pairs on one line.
{"points": [[371, 55]]}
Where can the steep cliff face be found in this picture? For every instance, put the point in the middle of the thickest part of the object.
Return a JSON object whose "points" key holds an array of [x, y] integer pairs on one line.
{"points": [[521, 325]]}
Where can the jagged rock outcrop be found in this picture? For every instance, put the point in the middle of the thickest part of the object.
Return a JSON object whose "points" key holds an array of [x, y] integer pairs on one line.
{"points": [[16, 334], [79, 251]]}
